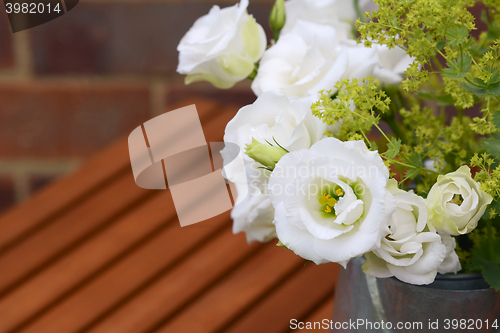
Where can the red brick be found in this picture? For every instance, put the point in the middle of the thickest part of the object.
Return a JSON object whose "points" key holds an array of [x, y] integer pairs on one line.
{"points": [[179, 92], [67, 120], [134, 38], [7, 193], [6, 54]]}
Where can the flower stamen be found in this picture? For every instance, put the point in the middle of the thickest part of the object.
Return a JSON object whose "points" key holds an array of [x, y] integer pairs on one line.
{"points": [[326, 199], [457, 199], [323, 200]]}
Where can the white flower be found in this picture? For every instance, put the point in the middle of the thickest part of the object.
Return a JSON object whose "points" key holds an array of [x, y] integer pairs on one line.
{"points": [[456, 202], [391, 64], [339, 14], [222, 46], [253, 215], [272, 118], [302, 62], [331, 201], [407, 252], [451, 263], [307, 60]]}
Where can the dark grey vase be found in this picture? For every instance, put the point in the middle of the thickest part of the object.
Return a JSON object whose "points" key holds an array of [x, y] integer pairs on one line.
{"points": [[453, 303]]}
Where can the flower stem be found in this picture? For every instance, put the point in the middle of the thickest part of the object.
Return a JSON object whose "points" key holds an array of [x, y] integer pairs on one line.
{"points": [[402, 100], [470, 82], [254, 72], [411, 166], [436, 62], [358, 11], [391, 121]]}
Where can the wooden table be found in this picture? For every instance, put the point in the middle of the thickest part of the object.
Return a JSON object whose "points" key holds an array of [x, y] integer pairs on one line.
{"points": [[95, 253]]}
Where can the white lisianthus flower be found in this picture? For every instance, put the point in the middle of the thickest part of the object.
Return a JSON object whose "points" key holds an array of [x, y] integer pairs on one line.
{"points": [[331, 201], [307, 60], [222, 46], [451, 263], [456, 202], [340, 14], [408, 252], [302, 62], [391, 65], [253, 214], [275, 119]]}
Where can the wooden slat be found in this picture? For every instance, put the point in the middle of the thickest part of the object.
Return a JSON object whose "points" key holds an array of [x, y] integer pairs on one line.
{"points": [[70, 190], [324, 311], [64, 231], [225, 301], [48, 251], [179, 286], [109, 257], [46, 204], [296, 297], [69, 229], [120, 281], [95, 255]]}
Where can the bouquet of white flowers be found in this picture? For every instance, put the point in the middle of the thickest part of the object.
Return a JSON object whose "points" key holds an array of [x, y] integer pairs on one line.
{"points": [[362, 140]]}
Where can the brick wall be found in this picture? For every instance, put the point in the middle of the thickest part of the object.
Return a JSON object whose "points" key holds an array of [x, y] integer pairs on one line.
{"points": [[74, 85]]}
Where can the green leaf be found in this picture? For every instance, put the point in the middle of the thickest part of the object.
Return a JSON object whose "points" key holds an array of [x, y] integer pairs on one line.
{"points": [[478, 87], [457, 36], [494, 206], [492, 147], [443, 100], [452, 73], [458, 68], [495, 75], [491, 271], [415, 161], [488, 262], [496, 119], [440, 44], [393, 148], [412, 173]]}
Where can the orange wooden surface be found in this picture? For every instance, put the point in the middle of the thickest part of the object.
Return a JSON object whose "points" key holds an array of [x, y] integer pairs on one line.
{"points": [[95, 253]]}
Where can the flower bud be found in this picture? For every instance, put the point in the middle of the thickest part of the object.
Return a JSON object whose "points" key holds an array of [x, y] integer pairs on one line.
{"points": [[277, 18], [456, 203], [265, 154]]}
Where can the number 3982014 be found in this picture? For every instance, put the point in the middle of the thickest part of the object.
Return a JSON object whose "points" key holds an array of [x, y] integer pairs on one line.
{"points": [[32, 8]]}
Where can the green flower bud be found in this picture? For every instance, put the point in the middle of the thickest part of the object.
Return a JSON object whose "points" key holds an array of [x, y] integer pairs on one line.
{"points": [[277, 18], [265, 154]]}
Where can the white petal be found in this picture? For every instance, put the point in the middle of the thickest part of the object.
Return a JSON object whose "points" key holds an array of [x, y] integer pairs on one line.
{"points": [[409, 277], [254, 216], [299, 241], [375, 266]]}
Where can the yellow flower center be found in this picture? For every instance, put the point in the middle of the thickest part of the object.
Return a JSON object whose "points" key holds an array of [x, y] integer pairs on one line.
{"points": [[326, 199], [457, 199]]}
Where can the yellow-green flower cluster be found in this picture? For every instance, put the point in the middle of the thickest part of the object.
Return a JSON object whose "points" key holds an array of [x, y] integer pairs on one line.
{"points": [[356, 106], [437, 32]]}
